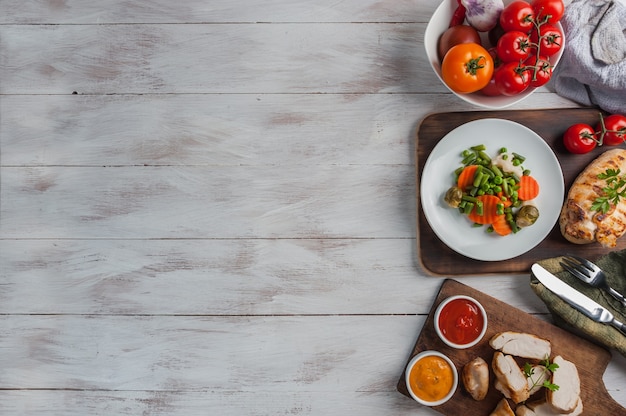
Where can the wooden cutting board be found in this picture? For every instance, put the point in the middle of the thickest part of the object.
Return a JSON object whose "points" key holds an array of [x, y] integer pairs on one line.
{"points": [[590, 359], [436, 258]]}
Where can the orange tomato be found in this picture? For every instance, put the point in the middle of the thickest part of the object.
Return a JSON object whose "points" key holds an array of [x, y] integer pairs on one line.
{"points": [[467, 68]]}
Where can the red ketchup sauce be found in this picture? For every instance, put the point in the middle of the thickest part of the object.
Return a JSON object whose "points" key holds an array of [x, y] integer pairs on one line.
{"points": [[460, 321]]}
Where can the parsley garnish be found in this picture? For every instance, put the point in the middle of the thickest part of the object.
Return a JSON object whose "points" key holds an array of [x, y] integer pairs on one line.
{"points": [[614, 190], [551, 367]]}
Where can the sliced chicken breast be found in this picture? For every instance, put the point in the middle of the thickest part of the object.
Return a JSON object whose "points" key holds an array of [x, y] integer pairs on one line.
{"points": [[578, 223]]}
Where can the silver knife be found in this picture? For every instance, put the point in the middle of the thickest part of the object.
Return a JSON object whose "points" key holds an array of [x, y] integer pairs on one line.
{"points": [[579, 301]]}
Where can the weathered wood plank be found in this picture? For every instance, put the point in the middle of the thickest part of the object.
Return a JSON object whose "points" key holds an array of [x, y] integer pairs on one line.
{"points": [[277, 354], [228, 58], [207, 402], [219, 130], [227, 363], [208, 202], [214, 11], [234, 277]]}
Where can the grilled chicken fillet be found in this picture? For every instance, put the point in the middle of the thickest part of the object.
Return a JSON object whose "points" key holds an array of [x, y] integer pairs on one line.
{"points": [[578, 223]]}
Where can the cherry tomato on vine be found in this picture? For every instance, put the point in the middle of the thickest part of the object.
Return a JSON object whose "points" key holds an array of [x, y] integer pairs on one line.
{"points": [[518, 15], [579, 138], [551, 10], [551, 39], [513, 46], [466, 68], [512, 78], [615, 126], [541, 71]]}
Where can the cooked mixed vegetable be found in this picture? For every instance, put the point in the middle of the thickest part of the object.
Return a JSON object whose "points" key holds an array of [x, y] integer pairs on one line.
{"points": [[497, 192]]}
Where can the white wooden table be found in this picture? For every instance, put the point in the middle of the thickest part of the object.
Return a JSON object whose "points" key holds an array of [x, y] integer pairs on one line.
{"points": [[208, 207]]}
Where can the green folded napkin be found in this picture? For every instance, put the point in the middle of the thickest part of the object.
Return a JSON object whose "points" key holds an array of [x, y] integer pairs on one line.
{"points": [[565, 316]]}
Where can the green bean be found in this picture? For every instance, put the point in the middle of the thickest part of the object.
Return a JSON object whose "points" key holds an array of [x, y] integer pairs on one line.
{"points": [[458, 171], [479, 208], [489, 172], [479, 147], [468, 198], [468, 160], [496, 170], [484, 156], [519, 157], [505, 187], [468, 208], [478, 178]]}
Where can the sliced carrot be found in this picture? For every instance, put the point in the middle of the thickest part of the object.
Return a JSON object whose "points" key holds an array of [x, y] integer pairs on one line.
{"points": [[506, 201], [528, 188], [490, 206], [501, 226], [466, 177]]}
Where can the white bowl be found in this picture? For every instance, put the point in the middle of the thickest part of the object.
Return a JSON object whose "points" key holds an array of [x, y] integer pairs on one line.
{"points": [[481, 312], [455, 378], [438, 24]]}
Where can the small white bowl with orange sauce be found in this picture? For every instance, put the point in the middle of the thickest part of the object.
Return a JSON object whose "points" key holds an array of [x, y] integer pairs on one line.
{"points": [[431, 378], [460, 321]]}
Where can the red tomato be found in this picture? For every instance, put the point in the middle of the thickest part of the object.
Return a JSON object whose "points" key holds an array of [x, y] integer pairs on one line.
{"points": [[467, 68], [541, 71], [579, 138], [518, 15], [512, 79], [491, 89], [455, 35], [550, 10], [615, 130], [513, 46], [551, 39]]}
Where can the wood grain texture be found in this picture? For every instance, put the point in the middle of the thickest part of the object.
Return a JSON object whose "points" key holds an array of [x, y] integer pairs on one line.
{"points": [[219, 129], [232, 276], [209, 207], [215, 11]]}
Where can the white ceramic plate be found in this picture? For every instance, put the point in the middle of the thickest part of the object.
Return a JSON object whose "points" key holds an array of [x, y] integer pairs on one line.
{"points": [[438, 23], [455, 229]]}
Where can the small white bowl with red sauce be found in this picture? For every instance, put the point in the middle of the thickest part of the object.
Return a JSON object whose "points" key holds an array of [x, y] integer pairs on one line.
{"points": [[460, 321]]}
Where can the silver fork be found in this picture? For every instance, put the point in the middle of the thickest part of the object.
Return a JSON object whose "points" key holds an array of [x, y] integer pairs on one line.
{"points": [[591, 274]]}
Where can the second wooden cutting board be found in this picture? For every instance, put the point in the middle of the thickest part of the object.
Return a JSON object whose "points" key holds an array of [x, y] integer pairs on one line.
{"points": [[590, 359]]}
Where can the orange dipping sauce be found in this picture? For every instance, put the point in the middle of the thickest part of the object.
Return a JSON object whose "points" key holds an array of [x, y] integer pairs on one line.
{"points": [[431, 378], [461, 321]]}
